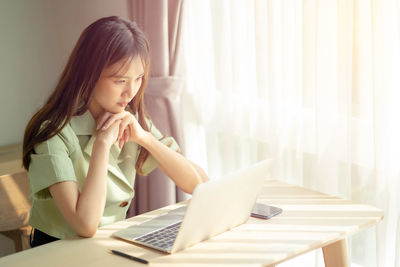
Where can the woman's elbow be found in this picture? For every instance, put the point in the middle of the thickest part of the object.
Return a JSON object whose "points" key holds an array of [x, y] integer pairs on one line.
{"points": [[86, 230], [191, 188], [201, 175], [204, 179], [86, 234]]}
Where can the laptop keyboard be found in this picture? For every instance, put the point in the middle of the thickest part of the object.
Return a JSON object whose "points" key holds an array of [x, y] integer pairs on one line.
{"points": [[163, 238]]}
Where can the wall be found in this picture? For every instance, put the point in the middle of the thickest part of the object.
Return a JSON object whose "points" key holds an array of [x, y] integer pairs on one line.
{"points": [[36, 38]]}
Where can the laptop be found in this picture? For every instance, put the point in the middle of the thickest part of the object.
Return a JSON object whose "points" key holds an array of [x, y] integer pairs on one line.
{"points": [[215, 207]]}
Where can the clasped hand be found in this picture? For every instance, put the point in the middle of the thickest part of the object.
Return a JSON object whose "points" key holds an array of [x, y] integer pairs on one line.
{"points": [[120, 127]]}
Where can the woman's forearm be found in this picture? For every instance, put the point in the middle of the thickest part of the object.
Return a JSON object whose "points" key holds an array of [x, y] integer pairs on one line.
{"points": [[91, 201], [83, 210], [184, 173]]}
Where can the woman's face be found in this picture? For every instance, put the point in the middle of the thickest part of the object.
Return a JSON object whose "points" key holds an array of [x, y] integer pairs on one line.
{"points": [[116, 87]]}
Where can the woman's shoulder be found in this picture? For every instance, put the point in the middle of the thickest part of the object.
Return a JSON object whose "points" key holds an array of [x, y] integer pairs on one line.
{"points": [[64, 140], [68, 135]]}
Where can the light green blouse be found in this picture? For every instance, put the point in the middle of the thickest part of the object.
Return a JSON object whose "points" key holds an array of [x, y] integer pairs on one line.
{"points": [[66, 157]]}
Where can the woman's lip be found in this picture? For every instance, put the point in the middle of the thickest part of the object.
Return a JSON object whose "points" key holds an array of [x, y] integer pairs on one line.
{"points": [[123, 104]]}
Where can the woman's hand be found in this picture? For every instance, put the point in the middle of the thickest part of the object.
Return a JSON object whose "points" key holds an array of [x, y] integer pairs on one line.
{"points": [[110, 135], [184, 173], [129, 127]]}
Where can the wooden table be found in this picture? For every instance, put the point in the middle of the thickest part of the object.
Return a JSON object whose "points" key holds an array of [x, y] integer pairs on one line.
{"points": [[310, 220]]}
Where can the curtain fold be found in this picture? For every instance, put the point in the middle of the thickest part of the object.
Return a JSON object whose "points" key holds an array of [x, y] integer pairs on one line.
{"points": [[160, 20], [312, 84]]}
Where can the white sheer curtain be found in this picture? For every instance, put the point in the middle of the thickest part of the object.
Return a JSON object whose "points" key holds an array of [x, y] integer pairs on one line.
{"points": [[314, 85]]}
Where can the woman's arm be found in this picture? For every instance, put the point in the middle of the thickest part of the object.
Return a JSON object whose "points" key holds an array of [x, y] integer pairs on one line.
{"points": [[83, 210], [186, 174]]}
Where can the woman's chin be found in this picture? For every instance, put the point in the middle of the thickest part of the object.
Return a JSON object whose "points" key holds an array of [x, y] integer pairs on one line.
{"points": [[116, 110]]}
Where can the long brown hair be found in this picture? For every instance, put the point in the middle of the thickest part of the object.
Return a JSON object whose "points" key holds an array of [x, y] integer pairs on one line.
{"points": [[103, 43]]}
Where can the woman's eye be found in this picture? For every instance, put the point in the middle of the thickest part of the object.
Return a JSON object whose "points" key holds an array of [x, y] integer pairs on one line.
{"points": [[139, 78], [120, 81]]}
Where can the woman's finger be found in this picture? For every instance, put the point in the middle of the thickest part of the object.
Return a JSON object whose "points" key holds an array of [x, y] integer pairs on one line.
{"points": [[103, 119], [111, 119], [112, 132], [127, 134], [124, 137], [121, 130], [122, 140], [124, 125]]}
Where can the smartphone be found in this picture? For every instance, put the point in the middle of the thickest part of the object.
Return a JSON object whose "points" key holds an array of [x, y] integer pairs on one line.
{"points": [[263, 211]]}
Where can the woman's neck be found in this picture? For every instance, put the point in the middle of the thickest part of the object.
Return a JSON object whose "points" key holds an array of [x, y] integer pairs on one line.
{"points": [[95, 110]]}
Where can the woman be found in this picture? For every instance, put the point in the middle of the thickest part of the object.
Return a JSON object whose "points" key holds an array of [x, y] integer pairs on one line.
{"points": [[83, 148]]}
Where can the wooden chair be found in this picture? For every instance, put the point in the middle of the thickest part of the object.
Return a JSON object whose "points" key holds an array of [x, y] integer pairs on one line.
{"points": [[15, 208]]}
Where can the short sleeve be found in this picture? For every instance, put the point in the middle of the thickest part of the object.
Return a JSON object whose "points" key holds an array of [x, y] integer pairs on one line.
{"points": [[50, 164], [151, 163]]}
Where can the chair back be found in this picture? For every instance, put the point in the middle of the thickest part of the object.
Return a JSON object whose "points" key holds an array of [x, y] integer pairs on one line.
{"points": [[14, 201]]}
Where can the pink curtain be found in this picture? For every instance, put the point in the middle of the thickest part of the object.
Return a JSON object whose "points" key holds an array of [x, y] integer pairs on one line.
{"points": [[161, 22]]}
